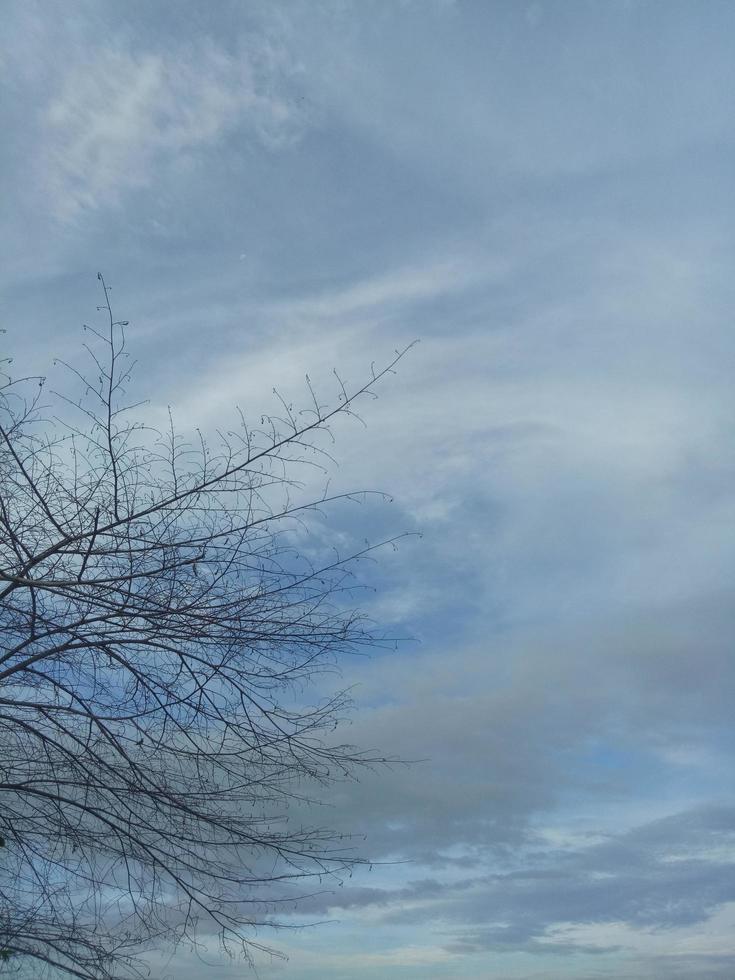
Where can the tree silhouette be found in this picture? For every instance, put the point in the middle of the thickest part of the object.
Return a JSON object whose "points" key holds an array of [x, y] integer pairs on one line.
{"points": [[158, 629]]}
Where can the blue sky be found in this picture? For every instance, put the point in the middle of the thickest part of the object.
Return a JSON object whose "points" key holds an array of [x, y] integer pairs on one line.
{"points": [[542, 193]]}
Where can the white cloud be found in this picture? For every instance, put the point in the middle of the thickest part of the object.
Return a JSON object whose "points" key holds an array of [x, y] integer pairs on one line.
{"points": [[122, 118]]}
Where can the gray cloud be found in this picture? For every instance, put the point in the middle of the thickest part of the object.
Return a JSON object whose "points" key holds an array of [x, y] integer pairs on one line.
{"points": [[660, 875]]}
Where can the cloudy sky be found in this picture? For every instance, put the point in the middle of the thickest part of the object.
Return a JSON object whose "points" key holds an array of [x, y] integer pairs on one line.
{"points": [[542, 192]]}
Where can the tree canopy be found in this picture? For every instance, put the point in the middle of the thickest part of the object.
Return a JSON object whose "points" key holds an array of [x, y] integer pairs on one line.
{"points": [[159, 627]]}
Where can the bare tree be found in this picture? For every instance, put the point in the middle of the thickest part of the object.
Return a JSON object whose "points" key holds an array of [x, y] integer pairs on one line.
{"points": [[157, 631]]}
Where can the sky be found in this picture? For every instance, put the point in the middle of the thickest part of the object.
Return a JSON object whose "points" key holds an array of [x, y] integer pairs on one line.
{"points": [[541, 193]]}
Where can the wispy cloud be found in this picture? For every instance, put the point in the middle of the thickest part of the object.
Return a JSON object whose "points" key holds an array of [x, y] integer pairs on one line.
{"points": [[124, 118]]}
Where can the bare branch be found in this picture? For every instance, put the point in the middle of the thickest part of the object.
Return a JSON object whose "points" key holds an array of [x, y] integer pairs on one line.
{"points": [[159, 627]]}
